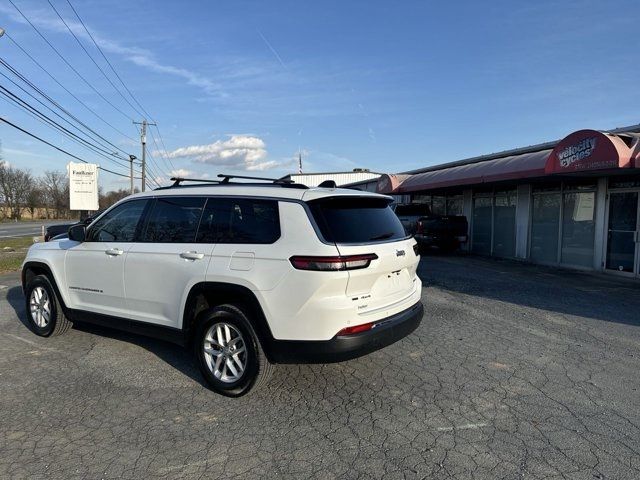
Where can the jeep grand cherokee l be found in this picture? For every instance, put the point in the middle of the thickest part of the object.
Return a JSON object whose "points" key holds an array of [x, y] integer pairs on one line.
{"points": [[246, 274]]}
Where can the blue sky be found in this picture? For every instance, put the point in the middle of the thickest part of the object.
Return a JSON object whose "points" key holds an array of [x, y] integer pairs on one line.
{"points": [[241, 86]]}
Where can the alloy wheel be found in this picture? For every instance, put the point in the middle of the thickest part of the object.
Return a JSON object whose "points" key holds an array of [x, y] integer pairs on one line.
{"points": [[225, 352], [40, 307]]}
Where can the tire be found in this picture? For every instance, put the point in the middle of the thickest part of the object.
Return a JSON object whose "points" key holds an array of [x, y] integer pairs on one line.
{"points": [[222, 331], [42, 302]]}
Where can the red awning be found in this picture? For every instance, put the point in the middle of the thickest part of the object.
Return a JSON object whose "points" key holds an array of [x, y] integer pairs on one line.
{"points": [[581, 151], [586, 150], [507, 168]]}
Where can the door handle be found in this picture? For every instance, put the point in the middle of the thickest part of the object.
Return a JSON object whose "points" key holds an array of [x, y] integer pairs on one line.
{"points": [[192, 255], [114, 252]]}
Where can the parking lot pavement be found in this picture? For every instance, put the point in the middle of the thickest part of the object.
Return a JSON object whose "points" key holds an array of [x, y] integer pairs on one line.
{"points": [[515, 372]]}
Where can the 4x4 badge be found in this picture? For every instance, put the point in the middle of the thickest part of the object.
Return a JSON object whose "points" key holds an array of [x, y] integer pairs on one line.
{"points": [[400, 253]]}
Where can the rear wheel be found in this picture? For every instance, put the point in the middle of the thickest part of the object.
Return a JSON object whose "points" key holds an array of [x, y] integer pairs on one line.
{"points": [[44, 311], [229, 353]]}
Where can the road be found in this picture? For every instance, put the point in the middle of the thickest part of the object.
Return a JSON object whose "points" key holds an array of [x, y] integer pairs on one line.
{"points": [[23, 229], [515, 372]]}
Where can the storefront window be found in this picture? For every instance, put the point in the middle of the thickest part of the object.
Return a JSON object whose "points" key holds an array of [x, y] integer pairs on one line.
{"points": [[624, 182], [580, 184], [623, 222], [554, 186], [482, 225], [504, 225], [438, 205], [578, 228], [545, 221], [454, 205], [421, 199]]}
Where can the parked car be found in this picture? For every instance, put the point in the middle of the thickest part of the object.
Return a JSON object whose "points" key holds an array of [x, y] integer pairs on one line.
{"points": [[60, 230], [248, 275], [409, 213], [446, 232]]}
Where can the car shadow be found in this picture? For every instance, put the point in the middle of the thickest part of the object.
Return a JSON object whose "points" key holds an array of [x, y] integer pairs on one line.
{"points": [[554, 289], [174, 355]]}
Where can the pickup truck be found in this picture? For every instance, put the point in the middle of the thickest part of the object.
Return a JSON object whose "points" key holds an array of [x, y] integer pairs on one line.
{"points": [[446, 232], [410, 213], [60, 230]]}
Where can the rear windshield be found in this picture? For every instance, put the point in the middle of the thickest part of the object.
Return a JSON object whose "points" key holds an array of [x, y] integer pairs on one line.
{"points": [[356, 220], [412, 210]]}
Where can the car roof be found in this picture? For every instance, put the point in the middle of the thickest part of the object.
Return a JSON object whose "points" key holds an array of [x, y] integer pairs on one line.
{"points": [[256, 190]]}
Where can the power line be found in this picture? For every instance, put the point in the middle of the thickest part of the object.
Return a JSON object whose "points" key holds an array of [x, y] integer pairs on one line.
{"points": [[99, 145], [68, 91], [164, 155], [166, 152], [56, 147], [92, 59], [57, 105], [107, 60], [67, 62], [17, 100]]}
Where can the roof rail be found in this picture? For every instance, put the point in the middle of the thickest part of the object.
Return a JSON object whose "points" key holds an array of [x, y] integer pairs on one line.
{"points": [[226, 178], [276, 182], [178, 180]]}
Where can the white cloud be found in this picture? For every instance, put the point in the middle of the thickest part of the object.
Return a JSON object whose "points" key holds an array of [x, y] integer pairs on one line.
{"points": [[135, 55], [181, 172], [238, 152]]}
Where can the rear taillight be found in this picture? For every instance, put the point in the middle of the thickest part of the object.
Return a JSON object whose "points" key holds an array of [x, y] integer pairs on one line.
{"points": [[357, 329], [420, 227], [332, 264]]}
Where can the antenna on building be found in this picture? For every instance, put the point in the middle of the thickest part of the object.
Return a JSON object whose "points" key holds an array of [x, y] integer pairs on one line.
{"points": [[299, 161]]}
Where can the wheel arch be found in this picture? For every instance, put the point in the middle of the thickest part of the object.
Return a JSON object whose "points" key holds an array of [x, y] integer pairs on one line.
{"points": [[206, 295], [32, 269]]}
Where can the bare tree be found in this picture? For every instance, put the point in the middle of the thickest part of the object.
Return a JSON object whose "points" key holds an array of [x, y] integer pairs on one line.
{"points": [[113, 196], [15, 185], [35, 197], [55, 186]]}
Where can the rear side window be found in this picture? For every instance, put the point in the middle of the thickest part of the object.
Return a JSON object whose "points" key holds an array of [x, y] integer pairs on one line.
{"points": [[356, 220], [174, 220], [239, 220]]}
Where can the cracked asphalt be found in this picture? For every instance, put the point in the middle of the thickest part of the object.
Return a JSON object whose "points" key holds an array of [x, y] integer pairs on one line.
{"points": [[516, 372]]}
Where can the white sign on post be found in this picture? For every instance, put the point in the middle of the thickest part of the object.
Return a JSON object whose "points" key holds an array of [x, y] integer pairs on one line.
{"points": [[83, 186]]}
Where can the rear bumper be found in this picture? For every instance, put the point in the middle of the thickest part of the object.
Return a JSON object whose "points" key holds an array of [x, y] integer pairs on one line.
{"points": [[386, 331]]}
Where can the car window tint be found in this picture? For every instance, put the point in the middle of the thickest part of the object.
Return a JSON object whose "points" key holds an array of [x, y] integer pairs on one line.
{"points": [[174, 220], [119, 224], [231, 220], [356, 220]]}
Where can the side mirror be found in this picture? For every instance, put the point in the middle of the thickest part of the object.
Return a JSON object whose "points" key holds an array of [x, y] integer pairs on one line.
{"points": [[77, 233]]}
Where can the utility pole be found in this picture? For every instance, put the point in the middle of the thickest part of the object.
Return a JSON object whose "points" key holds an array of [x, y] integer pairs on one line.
{"points": [[131, 159], [143, 141]]}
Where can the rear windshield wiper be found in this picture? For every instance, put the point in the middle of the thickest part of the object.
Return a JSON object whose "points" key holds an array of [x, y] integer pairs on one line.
{"points": [[383, 236]]}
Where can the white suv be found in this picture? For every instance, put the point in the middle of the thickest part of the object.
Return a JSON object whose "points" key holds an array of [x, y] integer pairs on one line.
{"points": [[249, 274]]}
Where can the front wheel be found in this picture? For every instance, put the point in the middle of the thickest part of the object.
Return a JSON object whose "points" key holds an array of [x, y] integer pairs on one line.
{"points": [[44, 311], [229, 353]]}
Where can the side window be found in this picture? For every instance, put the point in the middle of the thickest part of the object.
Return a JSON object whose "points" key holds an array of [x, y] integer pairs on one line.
{"points": [[119, 224], [174, 220], [239, 220]]}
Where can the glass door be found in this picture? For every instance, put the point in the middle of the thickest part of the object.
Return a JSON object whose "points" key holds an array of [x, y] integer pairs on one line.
{"points": [[622, 238]]}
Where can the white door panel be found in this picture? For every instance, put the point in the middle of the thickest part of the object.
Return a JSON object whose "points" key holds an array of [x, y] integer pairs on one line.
{"points": [[94, 273], [158, 276]]}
